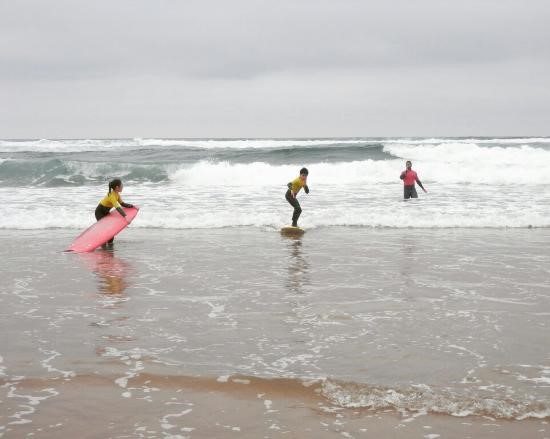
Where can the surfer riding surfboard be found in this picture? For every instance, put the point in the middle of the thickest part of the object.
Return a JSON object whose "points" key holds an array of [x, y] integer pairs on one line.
{"points": [[293, 188]]}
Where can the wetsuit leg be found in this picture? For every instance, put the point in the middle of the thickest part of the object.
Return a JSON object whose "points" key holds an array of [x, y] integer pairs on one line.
{"points": [[100, 212], [297, 209], [409, 192]]}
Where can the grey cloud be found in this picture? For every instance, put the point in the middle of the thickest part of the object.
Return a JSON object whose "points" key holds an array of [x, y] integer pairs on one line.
{"points": [[124, 68], [250, 38]]}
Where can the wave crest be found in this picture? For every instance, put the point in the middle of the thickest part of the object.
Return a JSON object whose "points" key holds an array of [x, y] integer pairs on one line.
{"points": [[424, 399]]}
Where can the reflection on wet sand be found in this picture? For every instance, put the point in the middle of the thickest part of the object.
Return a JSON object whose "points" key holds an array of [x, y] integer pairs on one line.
{"points": [[112, 272], [112, 275], [298, 268]]}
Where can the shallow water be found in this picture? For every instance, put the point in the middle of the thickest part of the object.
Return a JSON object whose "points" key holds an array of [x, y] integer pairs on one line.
{"points": [[413, 321]]}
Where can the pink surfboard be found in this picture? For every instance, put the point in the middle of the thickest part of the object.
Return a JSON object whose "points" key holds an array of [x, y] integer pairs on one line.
{"points": [[102, 231]]}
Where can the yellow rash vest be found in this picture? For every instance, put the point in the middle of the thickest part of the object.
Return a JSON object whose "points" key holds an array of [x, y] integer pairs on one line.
{"points": [[296, 184], [112, 199]]}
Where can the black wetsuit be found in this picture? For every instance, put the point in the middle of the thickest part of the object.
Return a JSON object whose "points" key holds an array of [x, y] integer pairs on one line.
{"points": [[409, 192], [297, 209], [101, 211]]}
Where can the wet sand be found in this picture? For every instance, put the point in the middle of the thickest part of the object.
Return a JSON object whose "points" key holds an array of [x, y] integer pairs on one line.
{"points": [[244, 333], [92, 407]]}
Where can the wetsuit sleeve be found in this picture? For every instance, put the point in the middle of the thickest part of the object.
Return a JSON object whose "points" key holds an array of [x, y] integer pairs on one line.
{"points": [[419, 183], [306, 189]]}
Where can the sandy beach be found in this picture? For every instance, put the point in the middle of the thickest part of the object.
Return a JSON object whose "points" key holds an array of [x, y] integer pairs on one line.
{"points": [[241, 332], [185, 407]]}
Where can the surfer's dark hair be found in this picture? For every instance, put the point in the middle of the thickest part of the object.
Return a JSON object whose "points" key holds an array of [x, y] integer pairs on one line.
{"points": [[304, 171], [114, 183]]}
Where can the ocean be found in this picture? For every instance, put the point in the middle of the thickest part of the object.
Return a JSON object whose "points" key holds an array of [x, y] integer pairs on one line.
{"points": [[212, 183], [427, 318]]}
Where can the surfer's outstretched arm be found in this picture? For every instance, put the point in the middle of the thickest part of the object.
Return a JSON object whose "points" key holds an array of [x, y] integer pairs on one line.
{"points": [[420, 184], [121, 211], [306, 188]]}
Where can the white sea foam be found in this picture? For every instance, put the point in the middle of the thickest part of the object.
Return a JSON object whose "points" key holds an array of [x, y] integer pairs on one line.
{"points": [[247, 143], [53, 145], [75, 145], [424, 399], [165, 419], [46, 364], [528, 166], [190, 202], [28, 409], [470, 185], [442, 164], [496, 140], [473, 164], [467, 154]]}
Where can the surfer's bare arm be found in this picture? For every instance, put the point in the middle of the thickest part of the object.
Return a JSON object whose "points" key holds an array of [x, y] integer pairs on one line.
{"points": [[420, 184], [123, 204], [306, 189], [402, 176]]}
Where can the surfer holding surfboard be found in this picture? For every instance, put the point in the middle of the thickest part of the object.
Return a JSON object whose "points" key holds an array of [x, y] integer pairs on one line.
{"points": [[108, 225], [112, 199], [293, 188]]}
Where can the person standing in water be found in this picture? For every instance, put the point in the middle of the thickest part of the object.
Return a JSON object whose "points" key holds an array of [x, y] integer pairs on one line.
{"points": [[112, 199], [293, 188], [409, 177]]}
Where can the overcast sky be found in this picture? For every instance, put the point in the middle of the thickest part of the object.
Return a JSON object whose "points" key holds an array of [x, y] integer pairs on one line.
{"points": [[279, 68]]}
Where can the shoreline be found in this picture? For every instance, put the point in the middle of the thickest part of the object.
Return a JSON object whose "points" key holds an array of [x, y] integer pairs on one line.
{"points": [[237, 406]]}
